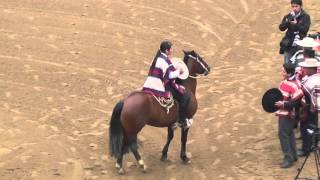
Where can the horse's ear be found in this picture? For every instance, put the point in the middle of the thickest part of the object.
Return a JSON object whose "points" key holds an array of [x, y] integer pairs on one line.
{"points": [[184, 52]]}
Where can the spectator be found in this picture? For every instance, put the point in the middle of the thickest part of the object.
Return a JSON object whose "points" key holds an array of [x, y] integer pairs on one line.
{"points": [[292, 94], [296, 24]]}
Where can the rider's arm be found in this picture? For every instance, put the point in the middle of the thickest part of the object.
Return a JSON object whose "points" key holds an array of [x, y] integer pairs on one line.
{"points": [[174, 74], [168, 70]]}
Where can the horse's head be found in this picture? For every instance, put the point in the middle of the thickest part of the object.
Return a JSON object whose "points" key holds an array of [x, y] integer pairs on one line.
{"points": [[195, 63]]}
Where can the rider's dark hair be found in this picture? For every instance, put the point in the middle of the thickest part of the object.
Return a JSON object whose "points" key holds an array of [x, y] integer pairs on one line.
{"points": [[155, 58], [165, 45]]}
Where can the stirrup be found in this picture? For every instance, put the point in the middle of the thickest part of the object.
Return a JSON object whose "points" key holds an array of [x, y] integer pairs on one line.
{"points": [[175, 125], [189, 122]]}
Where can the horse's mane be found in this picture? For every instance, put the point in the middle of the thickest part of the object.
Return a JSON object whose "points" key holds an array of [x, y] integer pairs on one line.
{"points": [[186, 55]]}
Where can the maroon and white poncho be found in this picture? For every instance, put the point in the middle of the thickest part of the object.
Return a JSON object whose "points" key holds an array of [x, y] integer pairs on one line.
{"points": [[160, 74]]}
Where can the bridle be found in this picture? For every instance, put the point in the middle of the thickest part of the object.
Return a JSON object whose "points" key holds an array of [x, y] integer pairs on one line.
{"points": [[202, 65]]}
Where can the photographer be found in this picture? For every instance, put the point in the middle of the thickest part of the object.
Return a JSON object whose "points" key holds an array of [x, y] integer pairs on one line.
{"points": [[297, 24]]}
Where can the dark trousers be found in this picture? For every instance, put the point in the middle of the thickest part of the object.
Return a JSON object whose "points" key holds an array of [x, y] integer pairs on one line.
{"points": [[309, 123], [287, 138], [183, 100], [289, 53]]}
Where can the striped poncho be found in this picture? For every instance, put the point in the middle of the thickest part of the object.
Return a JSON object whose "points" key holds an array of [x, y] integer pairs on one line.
{"points": [[161, 73]]}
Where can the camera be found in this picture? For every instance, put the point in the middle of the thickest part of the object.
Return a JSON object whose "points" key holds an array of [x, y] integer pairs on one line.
{"points": [[313, 130], [290, 18]]}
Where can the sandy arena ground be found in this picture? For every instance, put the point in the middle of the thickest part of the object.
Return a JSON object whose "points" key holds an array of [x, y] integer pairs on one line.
{"points": [[64, 65]]}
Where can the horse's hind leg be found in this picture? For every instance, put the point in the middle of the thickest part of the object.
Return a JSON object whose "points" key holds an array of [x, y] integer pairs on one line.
{"points": [[136, 154], [166, 147], [119, 161], [184, 137]]}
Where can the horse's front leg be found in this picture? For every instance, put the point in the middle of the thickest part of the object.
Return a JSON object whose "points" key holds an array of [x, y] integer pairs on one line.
{"points": [[184, 137], [166, 146]]}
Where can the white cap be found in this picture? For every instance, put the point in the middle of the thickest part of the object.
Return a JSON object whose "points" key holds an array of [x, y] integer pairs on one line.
{"points": [[308, 42]]}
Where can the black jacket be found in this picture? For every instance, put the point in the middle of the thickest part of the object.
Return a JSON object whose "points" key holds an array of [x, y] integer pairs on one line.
{"points": [[302, 26]]}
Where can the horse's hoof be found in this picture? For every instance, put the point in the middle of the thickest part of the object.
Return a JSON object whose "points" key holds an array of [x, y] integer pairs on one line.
{"points": [[186, 160], [121, 171], [141, 162], [142, 165], [118, 166], [163, 158], [144, 168]]}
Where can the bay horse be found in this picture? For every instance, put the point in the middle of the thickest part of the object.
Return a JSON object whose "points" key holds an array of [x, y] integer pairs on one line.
{"points": [[138, 109]]}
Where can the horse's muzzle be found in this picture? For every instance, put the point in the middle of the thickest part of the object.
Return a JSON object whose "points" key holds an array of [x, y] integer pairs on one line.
{"points": [[207, 72]]}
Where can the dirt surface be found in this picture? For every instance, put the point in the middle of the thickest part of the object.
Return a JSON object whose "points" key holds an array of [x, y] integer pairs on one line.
{"points": [[64, 65]]}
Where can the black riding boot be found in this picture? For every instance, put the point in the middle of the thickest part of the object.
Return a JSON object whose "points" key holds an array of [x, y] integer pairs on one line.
{"points": [[183, 105], [183, 100]]}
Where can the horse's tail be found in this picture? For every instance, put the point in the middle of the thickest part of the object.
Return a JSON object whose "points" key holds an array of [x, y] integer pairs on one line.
{"points": [[116, 138]]}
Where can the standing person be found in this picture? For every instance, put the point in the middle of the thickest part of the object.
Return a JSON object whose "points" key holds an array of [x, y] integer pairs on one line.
{"points": [[310, 119], [308, 45], [161, 80], [296, 24], [307, 51], [292, 94]]}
